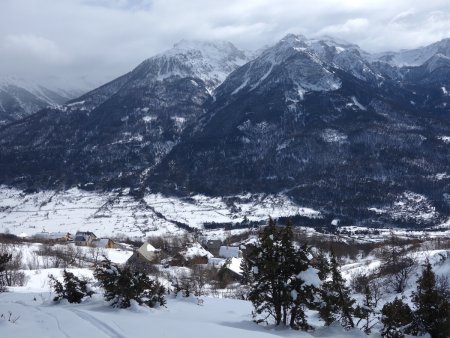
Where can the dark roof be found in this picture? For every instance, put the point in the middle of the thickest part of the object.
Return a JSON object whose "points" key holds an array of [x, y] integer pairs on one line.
{"points": [[84, 233]]}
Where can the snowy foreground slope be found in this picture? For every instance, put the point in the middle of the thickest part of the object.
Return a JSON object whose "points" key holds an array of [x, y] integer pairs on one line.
{"points": [[182, 318], [33, 313]]}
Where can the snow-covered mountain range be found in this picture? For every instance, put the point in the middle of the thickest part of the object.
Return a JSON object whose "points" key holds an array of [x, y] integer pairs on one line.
{"points": [[20, 98], [414, 57], [204, 64], [321, 121]]}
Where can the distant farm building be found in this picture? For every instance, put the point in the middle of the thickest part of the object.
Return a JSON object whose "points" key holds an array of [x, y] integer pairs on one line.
{"points": [[213, 246], [144, 257], [192, 255], [84, 238], [230, 252], [103, 243]]}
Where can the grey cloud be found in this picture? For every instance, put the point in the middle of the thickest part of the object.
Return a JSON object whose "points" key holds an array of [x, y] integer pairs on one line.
{"points": [[76, 43]]}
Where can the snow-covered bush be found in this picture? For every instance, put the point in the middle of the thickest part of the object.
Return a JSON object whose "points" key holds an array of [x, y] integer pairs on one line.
{"points": [[72, 288], [396, 318], [121, 285]]}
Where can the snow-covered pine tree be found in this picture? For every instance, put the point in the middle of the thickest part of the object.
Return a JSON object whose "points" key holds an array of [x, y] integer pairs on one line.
{"points": [[282, 282], [432, 314], [123, 285], [337, 304], [73, 288], [396, 318]]}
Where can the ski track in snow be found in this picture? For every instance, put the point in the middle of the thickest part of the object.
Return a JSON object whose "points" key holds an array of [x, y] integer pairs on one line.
{"points": [[58, 323], [102, 326], [46, 313]]}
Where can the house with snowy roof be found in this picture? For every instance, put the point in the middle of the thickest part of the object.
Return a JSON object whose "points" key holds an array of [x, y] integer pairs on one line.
{"points": [[103, 243], [226, 251], [193, 254], [145, 256], [84, 238]]}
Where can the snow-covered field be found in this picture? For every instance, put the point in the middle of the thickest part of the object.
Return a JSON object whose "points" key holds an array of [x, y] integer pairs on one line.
{"points": [[117, 213]]}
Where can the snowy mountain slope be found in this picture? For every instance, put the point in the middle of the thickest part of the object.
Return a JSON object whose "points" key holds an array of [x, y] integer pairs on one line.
{"points": [[124, 128], [206, 63], [308, 63], [211, 62], [315, 119], [434, 72], [414, 57], [270, 125], [19, 98]]}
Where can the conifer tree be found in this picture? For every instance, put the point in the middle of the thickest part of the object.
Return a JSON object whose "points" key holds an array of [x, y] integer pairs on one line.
{"points": [[123, 285], [397, 318], [73, 289], [432, 308], [337, 305], [273, 269]]}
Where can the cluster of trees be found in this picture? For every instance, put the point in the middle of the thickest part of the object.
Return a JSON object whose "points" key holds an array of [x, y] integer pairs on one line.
{"points": [[431, 312], [284, 279], [10, 267], [120, 286]]}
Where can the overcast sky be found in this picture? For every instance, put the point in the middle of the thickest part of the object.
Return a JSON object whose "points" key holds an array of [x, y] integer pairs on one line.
{"points": [[79, 43]]}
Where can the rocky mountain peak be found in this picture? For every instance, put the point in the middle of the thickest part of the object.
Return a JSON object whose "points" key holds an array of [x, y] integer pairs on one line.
{"points": [[210, 62]]}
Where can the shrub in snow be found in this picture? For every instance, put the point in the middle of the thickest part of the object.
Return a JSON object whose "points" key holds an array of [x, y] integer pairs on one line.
{"points": [[72, 288], [396, 265], [123, 285], [396, 318], [280, 278], [366, 311], [10, 317], [184, 284], [11, 274]]}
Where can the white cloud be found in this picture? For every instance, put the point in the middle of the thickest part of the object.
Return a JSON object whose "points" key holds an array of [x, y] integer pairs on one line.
{"points": [[34, 47], [93, 41], [349, 27]]}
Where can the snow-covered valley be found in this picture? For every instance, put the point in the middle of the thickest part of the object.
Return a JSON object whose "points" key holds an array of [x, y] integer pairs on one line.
{"points": [[117, 213]]}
